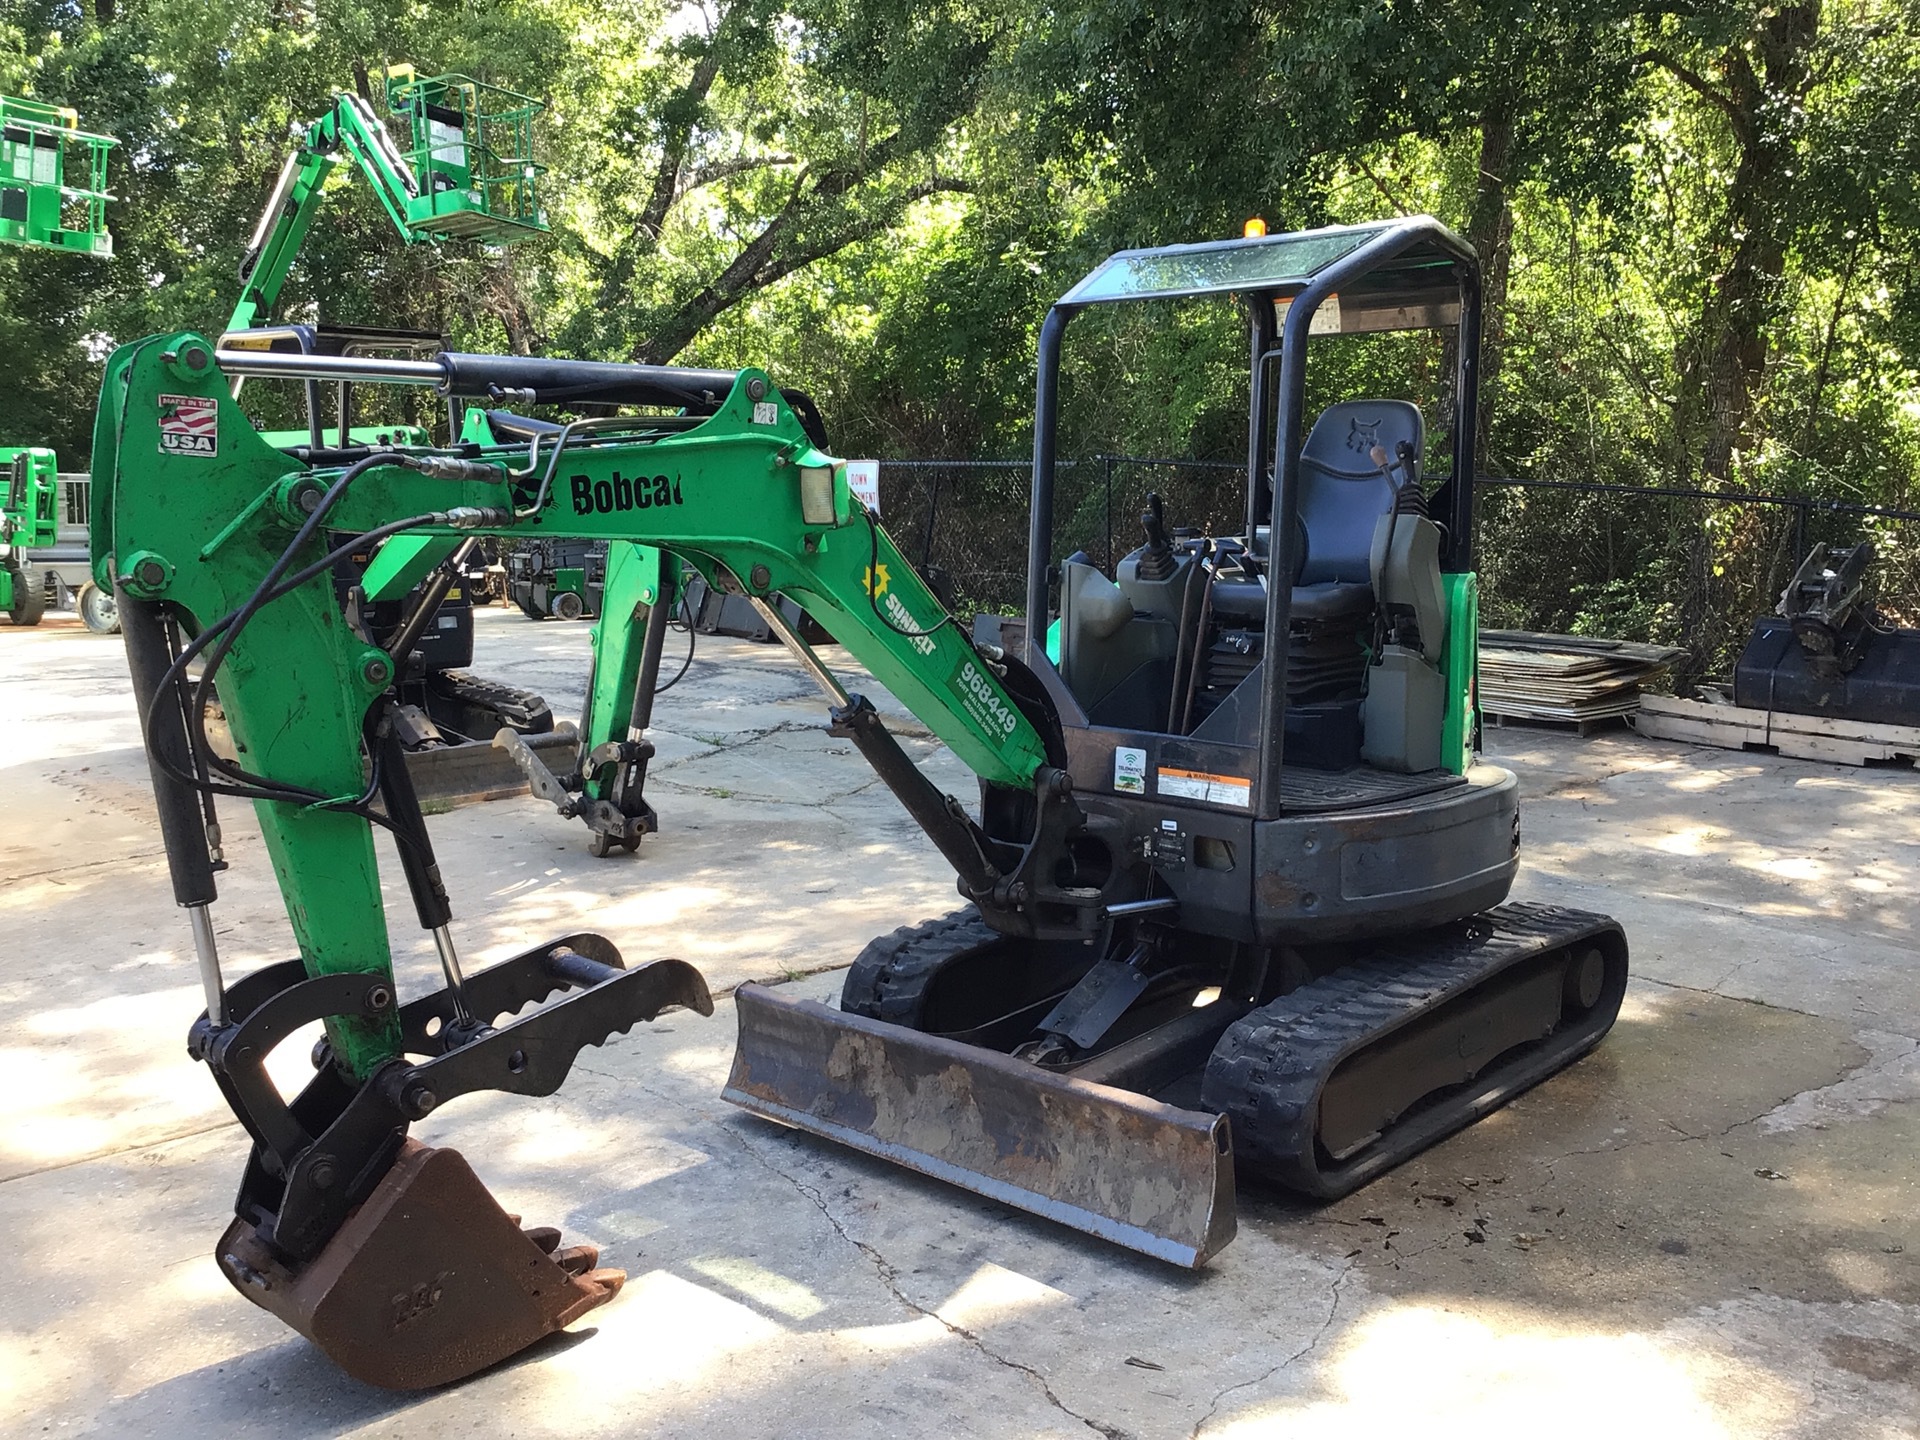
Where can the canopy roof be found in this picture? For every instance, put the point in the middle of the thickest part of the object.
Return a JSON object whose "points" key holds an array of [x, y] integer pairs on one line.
{"points": [[1282, 264]]}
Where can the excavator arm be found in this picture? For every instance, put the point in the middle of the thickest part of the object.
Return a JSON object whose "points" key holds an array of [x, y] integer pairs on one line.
{"points": [[220, 548]]}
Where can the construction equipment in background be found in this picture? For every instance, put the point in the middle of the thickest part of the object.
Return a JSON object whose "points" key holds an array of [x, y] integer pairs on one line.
{"points": [[557, 579], [1825, 677], [446, 716], [714, 612], [1196, 932], [27, 523], [467, 171], [59, 571], [53, 180], [1826, 651], [53, 196]]}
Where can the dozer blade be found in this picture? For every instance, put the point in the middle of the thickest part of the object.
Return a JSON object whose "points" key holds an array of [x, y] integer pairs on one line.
{"points": [[1148, 1176], [427, 1282], [450, 775]]}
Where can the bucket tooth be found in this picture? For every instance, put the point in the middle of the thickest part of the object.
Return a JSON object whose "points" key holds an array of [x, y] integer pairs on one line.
{"points": [[427, 1282], [1121, 1166]]}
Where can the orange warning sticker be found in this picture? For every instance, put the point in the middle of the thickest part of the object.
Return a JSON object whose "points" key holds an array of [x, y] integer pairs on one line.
{"points": [[1200, 785]]}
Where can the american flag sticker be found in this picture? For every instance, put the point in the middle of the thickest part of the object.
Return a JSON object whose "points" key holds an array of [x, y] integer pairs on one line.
{"points": [[189, 425]]}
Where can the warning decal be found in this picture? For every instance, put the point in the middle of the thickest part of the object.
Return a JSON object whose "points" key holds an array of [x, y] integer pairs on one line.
{"points": [[1200, 785], [189, 425]]}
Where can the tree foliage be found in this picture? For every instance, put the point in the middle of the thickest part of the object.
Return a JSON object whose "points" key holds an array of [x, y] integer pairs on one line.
{"points": [[1698, 220]]}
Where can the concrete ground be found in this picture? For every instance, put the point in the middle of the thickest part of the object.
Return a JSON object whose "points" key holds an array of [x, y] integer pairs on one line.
{"points": [[1707, 1228]]}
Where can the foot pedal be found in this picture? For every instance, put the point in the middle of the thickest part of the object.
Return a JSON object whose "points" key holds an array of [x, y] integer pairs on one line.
{"points": [[427, 1282]]}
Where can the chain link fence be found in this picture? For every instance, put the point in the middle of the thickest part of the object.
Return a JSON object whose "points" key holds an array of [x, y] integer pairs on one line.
{"points": [[1670, 566]]}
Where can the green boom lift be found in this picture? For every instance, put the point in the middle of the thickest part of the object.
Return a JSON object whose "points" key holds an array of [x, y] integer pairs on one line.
{"points": [[27, 523], [466, 171], [53, 196], [53, 179]]}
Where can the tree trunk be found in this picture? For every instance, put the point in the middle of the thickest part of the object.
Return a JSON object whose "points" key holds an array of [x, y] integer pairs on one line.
{"points": [[515, 316], [1767, 77], [1490, 232]]}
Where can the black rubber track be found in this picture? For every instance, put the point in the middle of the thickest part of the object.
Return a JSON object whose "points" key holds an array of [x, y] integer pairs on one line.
{"points": [[889, 978], [1268, 1070], [518, 709]]}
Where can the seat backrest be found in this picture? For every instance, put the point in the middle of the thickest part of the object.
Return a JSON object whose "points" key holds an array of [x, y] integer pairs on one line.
{"points": [[1342, 492]]}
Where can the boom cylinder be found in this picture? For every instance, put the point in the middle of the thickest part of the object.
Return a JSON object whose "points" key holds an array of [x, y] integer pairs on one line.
{"points": [[527, 379], [957, 837]]}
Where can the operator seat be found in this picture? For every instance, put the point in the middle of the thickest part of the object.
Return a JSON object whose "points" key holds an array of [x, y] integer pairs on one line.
{"points": [[1342, 494]]}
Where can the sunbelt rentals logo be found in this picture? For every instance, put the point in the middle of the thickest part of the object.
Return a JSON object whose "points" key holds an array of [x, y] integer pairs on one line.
{"points": [[901, 618]]}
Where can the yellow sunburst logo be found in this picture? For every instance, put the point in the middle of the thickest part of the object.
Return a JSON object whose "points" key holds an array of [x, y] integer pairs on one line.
{"points": [[877, 587]]}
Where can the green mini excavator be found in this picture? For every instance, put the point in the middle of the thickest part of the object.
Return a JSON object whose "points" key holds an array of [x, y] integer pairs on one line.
{"points": [[1233, 886]]}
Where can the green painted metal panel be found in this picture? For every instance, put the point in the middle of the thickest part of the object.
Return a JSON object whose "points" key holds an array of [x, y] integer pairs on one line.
{"points": [[1461, 666]]}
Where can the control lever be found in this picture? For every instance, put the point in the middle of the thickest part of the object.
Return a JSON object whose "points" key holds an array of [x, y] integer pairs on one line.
{"points": [[1157, 562]]}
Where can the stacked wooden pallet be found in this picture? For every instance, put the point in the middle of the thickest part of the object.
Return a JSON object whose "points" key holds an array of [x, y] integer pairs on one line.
{"points": [[1799, 737], [1571, 679]]}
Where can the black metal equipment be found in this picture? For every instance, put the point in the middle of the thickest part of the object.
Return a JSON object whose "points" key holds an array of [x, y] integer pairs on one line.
{"points": [[557, 579], [1826, 651]]}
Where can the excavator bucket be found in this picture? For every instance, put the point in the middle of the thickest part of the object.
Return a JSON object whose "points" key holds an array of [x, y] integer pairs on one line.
{"points": [[427, 1282], [1129, 1169]]}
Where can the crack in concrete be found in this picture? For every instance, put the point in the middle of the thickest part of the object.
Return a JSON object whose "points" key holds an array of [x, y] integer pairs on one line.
{"points": [[1889, 1076], [1679, 1137], [889, 1280], [1745, 999], [114, 1154], [120, 859], [719, 745], [1333, 1311]]}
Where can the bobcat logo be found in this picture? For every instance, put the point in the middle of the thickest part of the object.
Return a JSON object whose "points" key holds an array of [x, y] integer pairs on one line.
{"points": [[410, 1304], [1363, 436]]}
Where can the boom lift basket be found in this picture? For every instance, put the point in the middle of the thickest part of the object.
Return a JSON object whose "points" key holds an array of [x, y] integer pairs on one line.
{"points": [[53, 179], [470, 148]]}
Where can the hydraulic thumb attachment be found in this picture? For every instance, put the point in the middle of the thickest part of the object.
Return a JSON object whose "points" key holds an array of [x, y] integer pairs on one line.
{"points": [[388, 1254]]}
